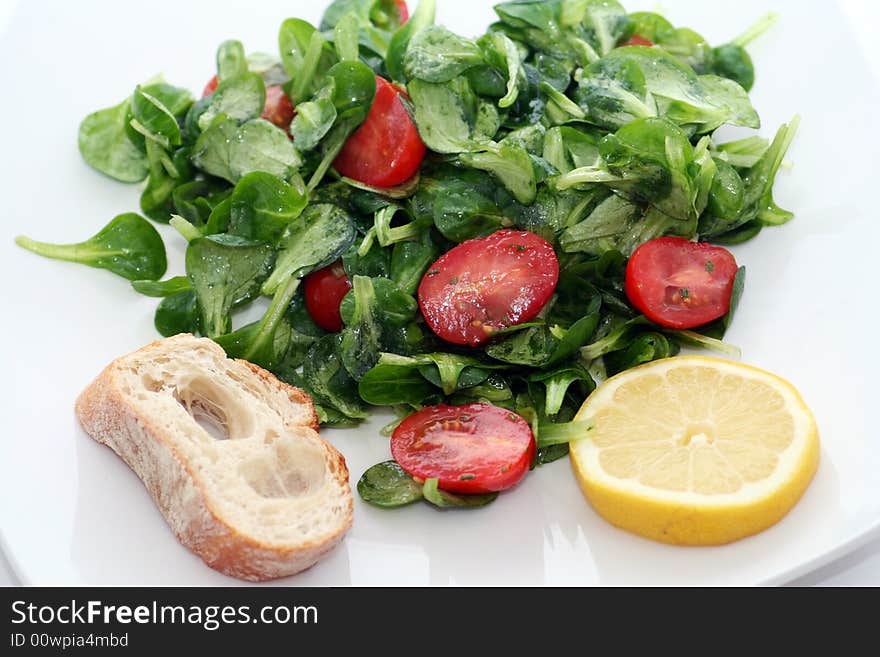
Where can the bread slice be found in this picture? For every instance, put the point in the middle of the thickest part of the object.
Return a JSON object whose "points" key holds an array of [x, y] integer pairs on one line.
{"points": [[230, 454]]}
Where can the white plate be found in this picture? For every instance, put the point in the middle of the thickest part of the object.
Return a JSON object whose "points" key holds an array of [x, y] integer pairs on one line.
{"points": [[73, 513]]}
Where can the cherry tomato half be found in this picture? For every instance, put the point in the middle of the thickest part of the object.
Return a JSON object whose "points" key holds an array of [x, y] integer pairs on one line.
{"points": [[679, 283], [477, 448], [402, 10], [278, 108], [211, 87], [636, 40], [324, 291], [487, 284], [386, 149]]}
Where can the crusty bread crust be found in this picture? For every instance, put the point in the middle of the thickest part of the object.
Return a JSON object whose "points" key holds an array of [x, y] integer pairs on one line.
{"points": [[109, 418], [296, 395]]}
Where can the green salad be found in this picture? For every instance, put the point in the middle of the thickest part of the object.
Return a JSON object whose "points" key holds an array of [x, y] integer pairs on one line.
{"points": [[439, 219]]}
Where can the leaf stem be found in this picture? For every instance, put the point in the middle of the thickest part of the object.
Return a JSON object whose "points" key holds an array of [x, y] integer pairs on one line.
{"points": [[69, 252], [309, 66], [185, 228], [584, 175], [268, 324], [550, 433], [336, 139], [757, 29], [695, 339]]}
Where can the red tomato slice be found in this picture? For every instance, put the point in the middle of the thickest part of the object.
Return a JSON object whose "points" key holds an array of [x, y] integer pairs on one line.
{"points": [[680, 284], [324, 291], [487, 284], [211, 87], [403, 10], [278, 108], [386, 149], [636, 40], [478, 448]]}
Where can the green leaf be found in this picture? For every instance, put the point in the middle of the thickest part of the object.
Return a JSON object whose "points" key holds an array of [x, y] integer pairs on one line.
{"points": [[262, 206], [306, 57], [410, 260], [644, 348], [388, 485], [240, 98], [604, 229], [314, 118], [557, 382], [229, 151], [759, 180], [684, 44], [177, 313], [128, 246], [354, 87], [604, 22], [501, 48], [462, 203], [389, 383], [650, 161], [422, 17], [394, 308], [614, 340], [739, 284], [387, 235], [164, 288], [435, 54], [225, 270], [316, 238], [361, 338], [231, 60], [156, 199], [195, 201], [329, 382], [153, 119], [511, 165], [640, 82], [105, 145], [450, 117], [727, 194], [733, 62], [742, 153], [345, 38], [237, 344]]}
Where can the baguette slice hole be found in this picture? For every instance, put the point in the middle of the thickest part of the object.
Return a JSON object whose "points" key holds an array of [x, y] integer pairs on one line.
{"points": [[288, 470], [216, 411]]}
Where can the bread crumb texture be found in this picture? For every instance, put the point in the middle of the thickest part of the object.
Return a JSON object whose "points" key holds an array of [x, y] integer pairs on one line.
{"points": [[230, 454]]}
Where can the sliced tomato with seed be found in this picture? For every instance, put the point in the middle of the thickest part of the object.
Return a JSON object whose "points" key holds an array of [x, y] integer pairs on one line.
{"points": [[324, 290], [680, 284], [386, 150], [477, 448], [277, 110], [487, 284]]}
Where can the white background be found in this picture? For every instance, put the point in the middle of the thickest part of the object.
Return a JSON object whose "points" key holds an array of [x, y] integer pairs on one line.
{"points": [[861, 567]]}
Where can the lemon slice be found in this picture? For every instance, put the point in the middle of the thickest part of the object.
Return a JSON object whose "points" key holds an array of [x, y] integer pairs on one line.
{"points": [[696, 451]]}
